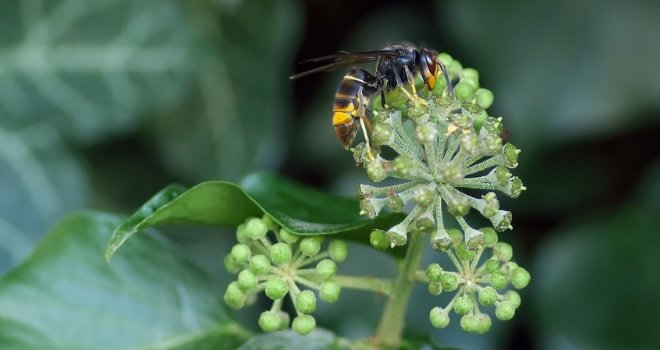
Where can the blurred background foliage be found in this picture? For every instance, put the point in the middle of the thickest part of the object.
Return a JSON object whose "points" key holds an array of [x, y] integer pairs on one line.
{"points": [[104, 102]]}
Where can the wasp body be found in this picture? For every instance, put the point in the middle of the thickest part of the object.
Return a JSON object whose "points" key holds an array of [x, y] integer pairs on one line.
{"points": [[395, 64]]}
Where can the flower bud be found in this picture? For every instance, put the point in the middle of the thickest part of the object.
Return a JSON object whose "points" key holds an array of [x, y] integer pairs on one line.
{"points": [[395, 203], [435, 288], [456, 236], [276, 288], [485, 98], [514, 187], [458, 205], [498, 280], [330, 292], [287, 236], [491, 206], [469, 323], [501, 220], [503, 175], [303, 324], [463, 305], [512, 297], [247, 281], [452, 173], [382, 134], [426, 132], [424, 196], [240, 253], [231, 265], [487, 296], [269, 222], [416, 111], [464, 90], [306, 302], [490, 236], [326, 268], [461, 121], [378, 240], [504, 311], [469, 73], [503, 251], [491, 265], [397, 236], [491, 144], [259, 264], [241, 234], [255, 228], [269, 321], [338, 250], [441, 240], [285, 319], [376, 171], [434, 272], [280, 253], [520, 278], [483, 324], [464, 253], [439, 317], [234, 296], [469, 143], [311, 246], [403, 167], [449, 282]]}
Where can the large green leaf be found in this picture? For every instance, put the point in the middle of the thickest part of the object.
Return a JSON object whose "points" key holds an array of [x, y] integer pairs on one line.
{"points": [[239, 111], [39, 181], [91, 67], [283, 340], [66, 297], [299, 209]]}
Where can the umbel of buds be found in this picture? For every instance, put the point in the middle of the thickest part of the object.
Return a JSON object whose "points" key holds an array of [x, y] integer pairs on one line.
{"points": [[447, 157], [271, 260]]}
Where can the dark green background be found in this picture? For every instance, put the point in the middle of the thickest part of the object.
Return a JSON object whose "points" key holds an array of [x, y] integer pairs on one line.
{"points": [[103, 103]]}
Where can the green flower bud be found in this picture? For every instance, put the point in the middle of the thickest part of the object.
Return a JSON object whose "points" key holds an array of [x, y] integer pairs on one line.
{"points": [[469, 73], [511, 155], [287, 236], [454, 69], [306, 302], [435, 288], [487, 296], [338, 250], [469, 143], [241, 234], [326, 268], [498, 280], [403, 167], [441, 240], [259, 264], [424, 196], [452, 173], [367, 208], [330, 292], [425, 222], [231, 265], [513, 298], [241, 253], [491, 144], [382, 134], [464, 253], [473, 110], [503, 175], [483, 324], [270, 223], [515, 187], [485, 98], [458, 205], [464, 90], [463, 305], [434, 272], [416, 111], [285, 319], [376, 171], [255, 228], [461, 121], [470, 323], [395, 203], [280, 253], [439, 318], [426, 132], [395, 238], [520, 278], [502, 220], [311, 246], [378, 240], [504, 311], [247, 281], [445, 59], [269, 321], [456, 236], [474, 239], [490, 236], [508, 267], [491, 265], [479, 120], [491, 206], [234, 296], [449, 282], [303, 324], [276, 288], [503, 251]]}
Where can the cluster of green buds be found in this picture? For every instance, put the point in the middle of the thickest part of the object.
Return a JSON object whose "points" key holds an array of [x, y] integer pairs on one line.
{"points": [[441, 147], [476, 282], [272, 260]]}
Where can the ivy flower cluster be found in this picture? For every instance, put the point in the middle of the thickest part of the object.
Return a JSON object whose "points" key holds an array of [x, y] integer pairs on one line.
{"points": [[442, 147], [271, 260]]}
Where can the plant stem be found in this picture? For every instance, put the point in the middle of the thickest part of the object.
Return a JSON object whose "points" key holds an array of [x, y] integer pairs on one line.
{"points": [[394, 316]]}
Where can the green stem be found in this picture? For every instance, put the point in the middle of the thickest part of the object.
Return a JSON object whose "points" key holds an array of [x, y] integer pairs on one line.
{"points": [[393, 319], [373, 284]]}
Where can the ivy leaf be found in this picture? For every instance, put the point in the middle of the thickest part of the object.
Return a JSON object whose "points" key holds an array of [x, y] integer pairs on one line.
{"points": [[92, 67], [299, 209], [319, 339], [39, 181], [65, 297]]}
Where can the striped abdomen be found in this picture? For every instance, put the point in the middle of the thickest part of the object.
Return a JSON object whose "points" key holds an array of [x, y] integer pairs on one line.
{"points": [[351, 100]]}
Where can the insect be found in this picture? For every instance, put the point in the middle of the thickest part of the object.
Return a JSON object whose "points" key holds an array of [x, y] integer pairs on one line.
{"points": [[394, 63]]}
